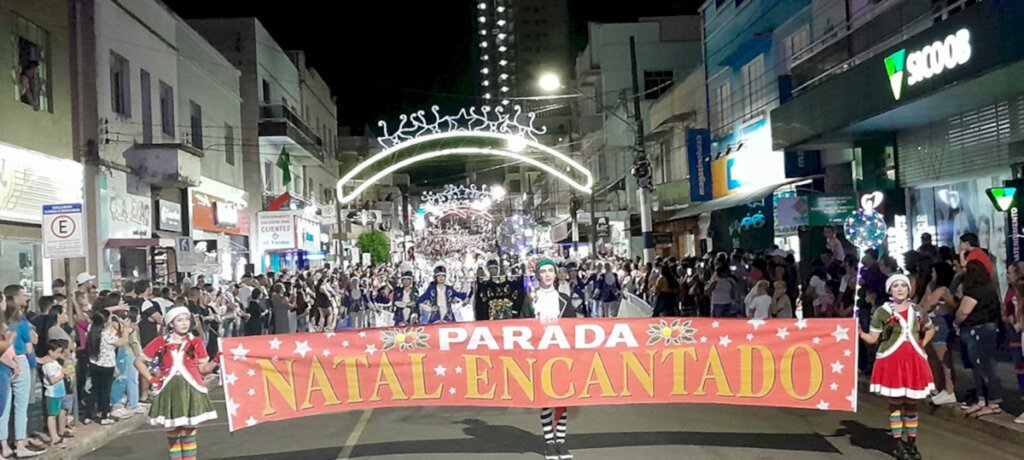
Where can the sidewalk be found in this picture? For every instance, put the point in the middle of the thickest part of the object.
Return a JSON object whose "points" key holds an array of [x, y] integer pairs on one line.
{"points": [[92, 436]]}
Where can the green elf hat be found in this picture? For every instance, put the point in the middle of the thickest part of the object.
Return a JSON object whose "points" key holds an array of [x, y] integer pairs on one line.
{"points": [[544, 262]]}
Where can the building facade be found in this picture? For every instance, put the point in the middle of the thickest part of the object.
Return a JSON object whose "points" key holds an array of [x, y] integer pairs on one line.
{"points": [[38, 160]]}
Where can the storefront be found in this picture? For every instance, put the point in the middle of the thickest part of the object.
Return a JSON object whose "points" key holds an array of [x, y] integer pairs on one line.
{"points": [[125, 229], [220, 218], [288, 240], [950, 100], [28, 180]]}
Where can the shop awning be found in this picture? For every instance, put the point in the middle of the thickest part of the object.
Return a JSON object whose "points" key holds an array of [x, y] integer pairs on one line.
{"points": [[738, 199]]}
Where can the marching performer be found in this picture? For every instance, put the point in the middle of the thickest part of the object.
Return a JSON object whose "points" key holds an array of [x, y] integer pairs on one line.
{"points": [[549, 305], [575, 289], [437, 301], [901, 372], [180, 362], [382, 303], [407, 311]]}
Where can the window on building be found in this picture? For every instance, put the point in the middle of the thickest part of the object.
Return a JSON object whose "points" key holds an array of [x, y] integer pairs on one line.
{"points": [[31, 64], [229, 144], [793, 44], [721, 104], [146, 91], [120, 85], [167, 109], [196, 123], [656, 83], [311, 189], [266, 91], [753, 87]]}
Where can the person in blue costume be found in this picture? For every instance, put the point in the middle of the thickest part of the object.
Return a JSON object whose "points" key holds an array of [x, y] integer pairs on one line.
{"points": [[407, 311], [437, 300]]}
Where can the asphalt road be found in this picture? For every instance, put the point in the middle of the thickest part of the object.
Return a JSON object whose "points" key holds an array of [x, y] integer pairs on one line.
{"points": [[612, 432]]}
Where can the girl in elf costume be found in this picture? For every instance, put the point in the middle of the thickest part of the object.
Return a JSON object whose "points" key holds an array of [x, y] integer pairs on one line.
{"points": [[549, 305], [901, 372], [179, 363]]}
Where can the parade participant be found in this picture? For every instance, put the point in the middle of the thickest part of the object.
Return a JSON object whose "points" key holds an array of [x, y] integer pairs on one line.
{"points": [[549, 305], [354, 301], [181, 403], [609, 292], [407, 311], [901, 371], [498, 297], [382, 303], [575, 289], [436, 302]]}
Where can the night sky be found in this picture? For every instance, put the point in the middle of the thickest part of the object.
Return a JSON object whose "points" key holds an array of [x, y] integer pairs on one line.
{"points": [[385, 58]]}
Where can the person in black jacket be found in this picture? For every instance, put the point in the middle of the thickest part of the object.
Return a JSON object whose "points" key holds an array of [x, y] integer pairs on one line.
{"points": [[549, 304]]}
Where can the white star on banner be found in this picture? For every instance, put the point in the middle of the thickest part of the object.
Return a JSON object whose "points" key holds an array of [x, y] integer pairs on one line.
{"points": [[232, 408], [275, 344], [750, 337], [458, 370], [714, 324], [362, 334], [250, 373], [252, 392], [451, 391], [724, 341], [239, 352], [704, 339], [816, 340], [301, 348], [847, 353], [837, 367], [853, 397], [371, 349], [329, 335], [801, 324], [834, 386], [326, 352], [250, 421], [782, 333], [440, 371], [756, 323], [273, 358], [230, 379], [841, 333], [823, 405], [344, 343]]}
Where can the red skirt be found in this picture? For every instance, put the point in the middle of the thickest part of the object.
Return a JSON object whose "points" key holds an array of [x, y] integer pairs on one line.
{"points": [[903, 374]]}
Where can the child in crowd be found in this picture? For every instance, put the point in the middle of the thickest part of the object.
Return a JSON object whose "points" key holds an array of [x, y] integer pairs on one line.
{"points": [[54, 390]]}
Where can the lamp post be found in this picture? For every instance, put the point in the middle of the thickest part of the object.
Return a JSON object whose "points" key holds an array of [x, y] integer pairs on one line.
{"points": [[641, 170]]}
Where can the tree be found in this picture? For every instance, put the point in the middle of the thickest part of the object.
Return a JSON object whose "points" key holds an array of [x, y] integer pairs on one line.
{"points": [[377, 245]]}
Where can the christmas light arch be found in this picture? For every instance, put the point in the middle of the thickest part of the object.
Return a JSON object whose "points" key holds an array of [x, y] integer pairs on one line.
{"points": [[471, 132]]}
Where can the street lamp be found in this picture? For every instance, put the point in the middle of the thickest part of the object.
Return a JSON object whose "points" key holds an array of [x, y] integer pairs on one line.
{"points": [[549, 82]]}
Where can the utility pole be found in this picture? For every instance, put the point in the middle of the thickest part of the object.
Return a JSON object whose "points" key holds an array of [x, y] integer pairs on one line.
{"points": [[641, 165]]}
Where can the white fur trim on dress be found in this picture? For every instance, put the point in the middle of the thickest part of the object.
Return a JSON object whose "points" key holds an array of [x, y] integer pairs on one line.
{"points": [[902, 392], [182, 421]]}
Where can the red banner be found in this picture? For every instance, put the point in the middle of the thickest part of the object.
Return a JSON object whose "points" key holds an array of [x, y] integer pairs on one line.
{"points": [[808, 364]]}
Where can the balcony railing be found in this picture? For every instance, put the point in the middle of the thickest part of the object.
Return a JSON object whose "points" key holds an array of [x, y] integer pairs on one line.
{"points": [[281, 112]]}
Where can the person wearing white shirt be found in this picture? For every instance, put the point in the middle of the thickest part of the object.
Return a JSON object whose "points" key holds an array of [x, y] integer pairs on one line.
{"points": [[760, 303], [548, 305], [833, 244]]}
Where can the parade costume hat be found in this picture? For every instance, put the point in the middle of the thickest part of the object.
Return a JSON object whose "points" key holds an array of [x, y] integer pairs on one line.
{"points": [[571, 265], [492, 263], [544, 262], [895, 277], [440, 270], [407, 274], [174, 313]]}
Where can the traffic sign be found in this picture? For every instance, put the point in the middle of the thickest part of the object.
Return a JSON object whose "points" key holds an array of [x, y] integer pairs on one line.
{"points": [[63, 232], [185, 244]]}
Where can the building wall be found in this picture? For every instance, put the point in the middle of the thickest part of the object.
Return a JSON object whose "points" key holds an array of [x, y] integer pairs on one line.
{"points": [[214, 85], [145, 36], [686, 104], [46, 131], [274, 66]]}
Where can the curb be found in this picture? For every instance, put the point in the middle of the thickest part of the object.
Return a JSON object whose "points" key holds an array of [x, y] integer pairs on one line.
{"points": [[83, 445], [1000, 427]]}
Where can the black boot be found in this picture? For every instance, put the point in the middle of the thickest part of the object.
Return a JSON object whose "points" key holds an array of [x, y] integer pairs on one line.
{"points": [[563, 452], [900, 452], [550, 451], [911, 448]]}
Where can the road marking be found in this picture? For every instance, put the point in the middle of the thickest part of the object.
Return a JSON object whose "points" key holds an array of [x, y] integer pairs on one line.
{"points": [[356, 432]]}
